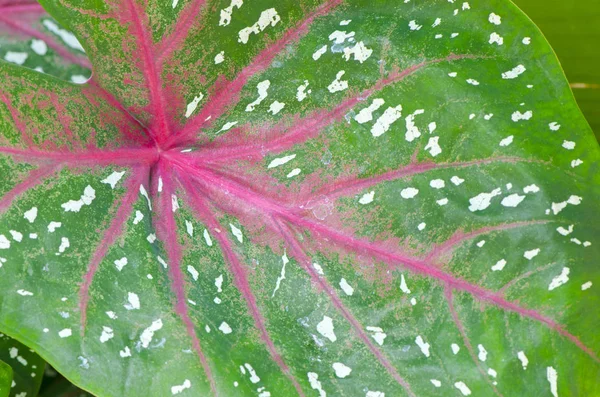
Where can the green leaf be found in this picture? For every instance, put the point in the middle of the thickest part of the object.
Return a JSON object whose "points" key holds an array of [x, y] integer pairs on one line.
{"points": [[31, 38], [21, 369], [302, 198], [571, 29], [6, 376]]}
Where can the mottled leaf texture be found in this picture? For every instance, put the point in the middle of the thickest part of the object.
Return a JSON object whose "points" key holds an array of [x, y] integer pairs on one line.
{"points": [[31, 38], [312, 198], [5, 378], [24, 369]]}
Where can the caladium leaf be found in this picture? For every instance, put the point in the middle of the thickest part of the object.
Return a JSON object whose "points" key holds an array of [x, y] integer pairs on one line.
{"points": [[25, 369], [31, 38], [5, 378], [302, 198]]}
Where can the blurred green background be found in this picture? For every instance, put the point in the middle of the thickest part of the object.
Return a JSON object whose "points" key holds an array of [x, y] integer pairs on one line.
{"points": [[573, 29]]}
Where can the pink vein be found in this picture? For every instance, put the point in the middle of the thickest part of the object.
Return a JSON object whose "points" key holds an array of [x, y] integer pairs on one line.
{"points": [[228, 94], [465, 338], [34, 178], [348, 186], [306, 264], [23, 7], [64, 122], [311, 126], [16, 120], [115, 229], [153, 81], [392, 258], [92, 86], [167, 232], [240, 277], [10, 20], [93, 157], [185, 21], [430, 270], [460, 237], [524, 276]]}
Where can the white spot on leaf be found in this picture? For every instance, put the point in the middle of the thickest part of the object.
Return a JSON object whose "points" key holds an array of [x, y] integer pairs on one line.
{"points": [[433, 146], [462, 387], [89, 194], [281, 161], [359, 50], [377, 334], [65, 333], [517, 115], [383, 123], [267, 17], [191, 107], [148, 333], [496, 38], [531, 253], [366, 114], [552, 376], [315, 384], [409, 192], [262, 88], [499, 265], [341, 370], [337, 84], [412, 132], [220, 57], [65, 35], [192, 270], [586, 285], [180, 388], [133, 301], [422, 345], [559, 280], [317, 54], [514, 72], [523, 358], [237, 233], [325, 328], [495, 19], [512, 201], [17, 58], [39, 47], [225, 15], [483, 200], [482, 355], [507, 141], [31, 214], [347, 288], [455, 348], [225, 328], [107, 334], [367, 198], [113, 179], [120, 263]]}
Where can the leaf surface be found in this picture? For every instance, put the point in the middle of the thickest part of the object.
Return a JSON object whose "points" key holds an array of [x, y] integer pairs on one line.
{"points": [[31, 38], [302, 198], [5, 378], [21, 369]]}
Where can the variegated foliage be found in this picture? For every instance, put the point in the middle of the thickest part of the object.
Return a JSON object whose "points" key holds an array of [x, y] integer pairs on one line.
{"points": [[314, 198]]}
